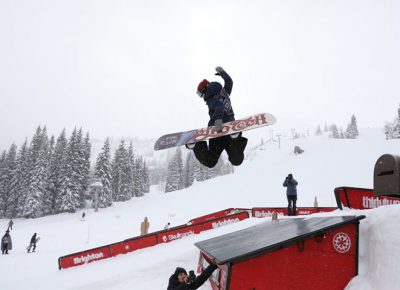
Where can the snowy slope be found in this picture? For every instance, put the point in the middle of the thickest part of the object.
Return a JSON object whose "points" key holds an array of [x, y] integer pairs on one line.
{"points": [[326, 164]]}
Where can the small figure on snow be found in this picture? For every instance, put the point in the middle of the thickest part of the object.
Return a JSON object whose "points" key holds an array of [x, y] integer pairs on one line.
{"points": [[180, 280], [10, 225], [166, 227], [291, 193], [6, 243], [144, 227], [220, 110], [83, 216], [33, 242]]}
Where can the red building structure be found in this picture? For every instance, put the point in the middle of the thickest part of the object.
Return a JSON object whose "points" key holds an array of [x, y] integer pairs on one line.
{"points": [[313, 253]]}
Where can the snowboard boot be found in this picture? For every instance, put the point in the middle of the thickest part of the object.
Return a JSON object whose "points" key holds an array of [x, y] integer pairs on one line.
{"points": [[236, 135], [235, 150], [190, 146]]}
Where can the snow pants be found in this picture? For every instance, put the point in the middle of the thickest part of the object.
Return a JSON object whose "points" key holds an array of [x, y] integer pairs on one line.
{"points": [[208, 155], [291, 204]]}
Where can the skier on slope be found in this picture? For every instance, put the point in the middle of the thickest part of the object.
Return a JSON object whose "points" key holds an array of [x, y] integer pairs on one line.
{"points": [[220, 110]]}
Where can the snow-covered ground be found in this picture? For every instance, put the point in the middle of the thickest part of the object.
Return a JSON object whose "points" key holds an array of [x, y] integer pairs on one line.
{"points": [[325, 164]]}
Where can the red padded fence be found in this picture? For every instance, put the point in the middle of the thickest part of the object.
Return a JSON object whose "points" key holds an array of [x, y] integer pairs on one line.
{"points": [[149, 240], [262, 212], [361, 198]]}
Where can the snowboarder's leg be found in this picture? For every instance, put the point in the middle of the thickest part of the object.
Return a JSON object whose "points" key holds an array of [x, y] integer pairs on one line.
{"points": [[34, 247], [209, 155], [235, 149]]}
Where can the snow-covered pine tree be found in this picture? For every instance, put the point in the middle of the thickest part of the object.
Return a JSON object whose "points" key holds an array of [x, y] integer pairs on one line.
{"points": [[3, 174], [334, 132], [140, 186], [70, 197], [388, 129], [131, 170], [396, 126], [38, 172], [318, 131], [86, 150], [175, 172], [54, 188], [352, 130], [119, 176], [188, 172], [9, 187], [19, 183], [103, 173]]}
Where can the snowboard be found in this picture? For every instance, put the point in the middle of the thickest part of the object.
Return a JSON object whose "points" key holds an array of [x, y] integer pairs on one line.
{"points": [[203, 134]]}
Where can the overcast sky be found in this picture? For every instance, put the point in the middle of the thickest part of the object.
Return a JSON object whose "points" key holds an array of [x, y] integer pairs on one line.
{"points": [[131, 68]]}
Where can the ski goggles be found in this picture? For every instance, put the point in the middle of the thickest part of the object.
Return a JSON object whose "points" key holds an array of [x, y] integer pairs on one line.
{"points": [[201, 93]]}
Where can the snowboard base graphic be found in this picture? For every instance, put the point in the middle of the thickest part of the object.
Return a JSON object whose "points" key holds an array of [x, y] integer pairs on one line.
{"points": [[203, 134]]}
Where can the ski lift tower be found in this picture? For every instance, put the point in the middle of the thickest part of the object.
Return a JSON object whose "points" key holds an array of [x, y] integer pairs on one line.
{"points": [[95, 188]]}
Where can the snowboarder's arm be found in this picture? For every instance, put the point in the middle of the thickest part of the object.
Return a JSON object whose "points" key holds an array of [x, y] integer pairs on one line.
{"points": [[294, 181], [227, 79]]}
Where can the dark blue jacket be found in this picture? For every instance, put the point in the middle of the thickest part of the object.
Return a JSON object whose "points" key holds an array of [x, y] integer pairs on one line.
{"points": [[218, 100], [290, 185]]}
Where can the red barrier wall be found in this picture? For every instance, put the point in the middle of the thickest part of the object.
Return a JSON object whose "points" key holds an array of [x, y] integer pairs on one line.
{"points": [[178, 233], [128, 246], [149, 240], [84, 257], [212, 216], [361, 198], [225, 221]]}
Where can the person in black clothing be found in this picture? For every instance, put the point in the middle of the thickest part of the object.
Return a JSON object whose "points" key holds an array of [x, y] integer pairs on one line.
{"points": [[180, 280], [220, 111], [32, 243], [291, 193]]}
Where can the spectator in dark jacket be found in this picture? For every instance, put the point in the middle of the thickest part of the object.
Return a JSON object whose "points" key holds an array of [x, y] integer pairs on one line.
{"points": [[180, 280], [291, 193], [220, 110], [6, 243]]}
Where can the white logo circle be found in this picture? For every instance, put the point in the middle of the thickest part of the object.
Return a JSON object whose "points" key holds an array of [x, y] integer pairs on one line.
{"points": [[341, 242], [164, 238]]}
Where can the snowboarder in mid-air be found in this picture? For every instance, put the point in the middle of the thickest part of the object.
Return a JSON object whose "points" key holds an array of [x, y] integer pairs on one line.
{"points": [[220, 110]]}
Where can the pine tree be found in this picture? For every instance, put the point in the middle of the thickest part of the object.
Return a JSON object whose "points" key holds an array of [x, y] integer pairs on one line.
{"points": [[54, 182], [139, 181], [131, 171], [19, 183], [3, 176], [352, 130], [120, 177], [188, 175], [86, 150], [71, 194], [396, 126], [38, 171], [103, 173], [318, 131], [175, 173], [334, 132], [10, 169]]}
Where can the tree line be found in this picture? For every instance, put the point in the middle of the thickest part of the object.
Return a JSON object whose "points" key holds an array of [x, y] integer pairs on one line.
{"points": [[48, 176]]}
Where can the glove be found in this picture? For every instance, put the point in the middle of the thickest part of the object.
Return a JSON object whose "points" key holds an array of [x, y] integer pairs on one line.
{"points": [[219, 70], [218, 125]]}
